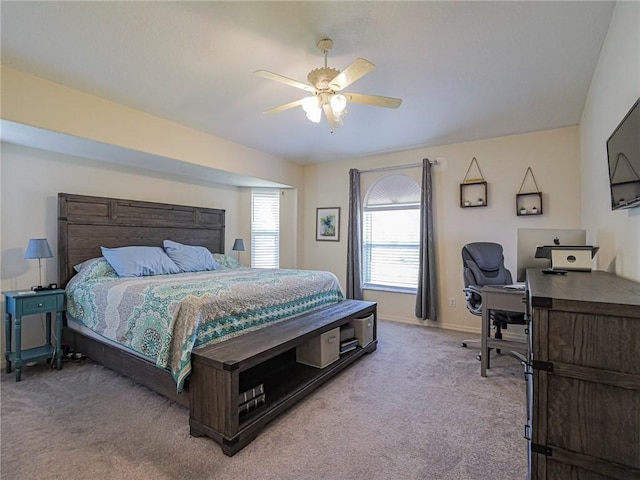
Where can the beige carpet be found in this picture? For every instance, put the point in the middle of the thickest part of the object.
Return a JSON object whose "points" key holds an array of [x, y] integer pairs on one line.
{"points": [[416, 408]]}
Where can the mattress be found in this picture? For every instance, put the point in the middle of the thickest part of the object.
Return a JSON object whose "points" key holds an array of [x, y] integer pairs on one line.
{"points": [[163, 318]]}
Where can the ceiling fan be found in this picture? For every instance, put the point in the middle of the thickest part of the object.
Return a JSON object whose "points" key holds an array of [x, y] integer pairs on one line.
{"points": [[326, 85]]}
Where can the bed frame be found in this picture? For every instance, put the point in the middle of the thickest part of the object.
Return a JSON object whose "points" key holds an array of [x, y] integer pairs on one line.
{"points": [[219, 372], [86, 223]]}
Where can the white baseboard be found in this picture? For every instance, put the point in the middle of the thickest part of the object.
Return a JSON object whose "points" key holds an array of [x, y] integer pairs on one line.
{"points": [[410, 321], [477, 331], [430, 323]]}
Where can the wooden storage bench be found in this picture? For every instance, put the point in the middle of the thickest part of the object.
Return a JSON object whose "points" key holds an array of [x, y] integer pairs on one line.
{"points": [[267, 357]]}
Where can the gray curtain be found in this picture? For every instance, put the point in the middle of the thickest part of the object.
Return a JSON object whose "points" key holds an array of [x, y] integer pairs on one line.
{"points": [[426, 307], [354, 239]]}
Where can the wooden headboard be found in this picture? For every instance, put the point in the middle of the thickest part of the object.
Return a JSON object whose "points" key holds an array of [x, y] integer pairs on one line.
{"points": [[87, 223]]}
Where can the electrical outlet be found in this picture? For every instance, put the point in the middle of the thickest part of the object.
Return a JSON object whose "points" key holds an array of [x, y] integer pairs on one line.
{"points": [[452, 301]]}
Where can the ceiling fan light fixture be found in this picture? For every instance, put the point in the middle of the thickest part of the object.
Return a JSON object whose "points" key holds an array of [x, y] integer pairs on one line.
{"points": [[338, 103], [312, 108], [315, 115], [309, 104]]}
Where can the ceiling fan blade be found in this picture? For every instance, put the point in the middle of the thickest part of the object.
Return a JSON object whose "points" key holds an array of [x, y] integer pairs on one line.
{"points": [[285, 80], [374, 100], [328, 112], [359, 68], [284, 107]]}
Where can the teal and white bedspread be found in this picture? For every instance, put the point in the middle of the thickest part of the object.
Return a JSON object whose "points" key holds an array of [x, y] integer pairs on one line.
{"points": [[165, 317]]}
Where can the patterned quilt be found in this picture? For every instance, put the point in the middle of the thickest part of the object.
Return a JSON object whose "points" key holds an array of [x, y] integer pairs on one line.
{"points": [[165, 317]]}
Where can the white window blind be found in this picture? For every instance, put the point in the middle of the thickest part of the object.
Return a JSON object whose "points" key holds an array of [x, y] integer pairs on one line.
{"points": [[391, 244], [265, 228]]}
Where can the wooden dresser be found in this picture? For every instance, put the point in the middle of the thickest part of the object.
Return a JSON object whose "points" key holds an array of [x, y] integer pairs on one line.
{"points": [[583, 377]]}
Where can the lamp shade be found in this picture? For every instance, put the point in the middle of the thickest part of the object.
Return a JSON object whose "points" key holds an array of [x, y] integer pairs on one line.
{"points": [[38, 248], [238, 245]]}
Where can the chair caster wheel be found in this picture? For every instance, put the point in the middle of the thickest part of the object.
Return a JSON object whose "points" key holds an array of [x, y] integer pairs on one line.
{"points": [[463, 344]]}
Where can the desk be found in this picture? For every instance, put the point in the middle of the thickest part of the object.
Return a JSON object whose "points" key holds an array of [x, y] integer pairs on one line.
{"points": [[499, 298]]}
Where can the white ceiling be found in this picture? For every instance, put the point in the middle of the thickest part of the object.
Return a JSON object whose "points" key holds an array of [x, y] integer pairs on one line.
{"points": [[465, 70]]}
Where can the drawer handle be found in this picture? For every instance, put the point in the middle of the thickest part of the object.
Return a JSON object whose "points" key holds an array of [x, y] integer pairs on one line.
{"points": [[40, 304]]}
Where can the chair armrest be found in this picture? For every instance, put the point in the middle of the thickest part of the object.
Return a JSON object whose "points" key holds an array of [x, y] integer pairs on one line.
{"points": [[473, 299], [473, 289]]}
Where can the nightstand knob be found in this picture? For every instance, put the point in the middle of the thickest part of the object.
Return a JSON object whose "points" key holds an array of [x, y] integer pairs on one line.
{"points": [[40, 304]]}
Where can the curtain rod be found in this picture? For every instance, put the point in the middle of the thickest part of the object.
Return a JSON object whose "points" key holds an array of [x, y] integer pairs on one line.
{"points": [[398, 167]]}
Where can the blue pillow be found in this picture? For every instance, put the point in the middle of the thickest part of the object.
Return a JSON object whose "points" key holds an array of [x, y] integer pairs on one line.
{"points": [[190, 258], [139, 261]]}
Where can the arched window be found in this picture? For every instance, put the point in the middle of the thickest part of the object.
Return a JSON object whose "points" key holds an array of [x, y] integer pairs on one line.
{"points": [[391, 234]]}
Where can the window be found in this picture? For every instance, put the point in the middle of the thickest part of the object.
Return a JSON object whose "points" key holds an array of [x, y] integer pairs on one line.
{"points": [[265, 228], [391, 234]]}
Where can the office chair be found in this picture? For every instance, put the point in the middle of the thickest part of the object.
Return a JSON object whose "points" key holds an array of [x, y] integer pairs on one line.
{"points": [[483, 264]]}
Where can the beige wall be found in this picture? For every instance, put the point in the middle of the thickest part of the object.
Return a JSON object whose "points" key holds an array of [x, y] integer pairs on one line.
{"points": [[289, 229], [33, 101], [31, 180], [554, 158], [614, 89]]}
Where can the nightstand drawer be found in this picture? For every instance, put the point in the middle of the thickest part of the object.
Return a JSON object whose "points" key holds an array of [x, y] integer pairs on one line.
{"points": [[39, 304]]}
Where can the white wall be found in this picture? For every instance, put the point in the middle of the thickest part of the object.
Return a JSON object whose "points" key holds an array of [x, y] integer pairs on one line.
{"points": [[554, 158], [614, 89], [31, 180]]}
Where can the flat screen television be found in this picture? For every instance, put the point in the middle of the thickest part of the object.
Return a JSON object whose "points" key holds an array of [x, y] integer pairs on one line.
{"points": [[623, 153]]}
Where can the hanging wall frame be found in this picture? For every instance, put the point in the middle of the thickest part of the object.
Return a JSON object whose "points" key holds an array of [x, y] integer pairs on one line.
{"points": [[529, 203], [473, 190]]}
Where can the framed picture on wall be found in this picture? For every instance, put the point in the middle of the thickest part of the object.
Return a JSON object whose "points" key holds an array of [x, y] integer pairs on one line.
{"points": [[328, 224]]}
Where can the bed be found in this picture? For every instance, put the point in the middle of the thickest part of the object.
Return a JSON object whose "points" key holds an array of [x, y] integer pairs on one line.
{"points": [[263, 334]]}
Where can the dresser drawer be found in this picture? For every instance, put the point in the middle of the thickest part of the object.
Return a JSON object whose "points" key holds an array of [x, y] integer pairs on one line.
{"points": [[39, 304]]}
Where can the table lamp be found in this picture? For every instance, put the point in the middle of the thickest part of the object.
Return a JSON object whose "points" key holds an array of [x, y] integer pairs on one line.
{"points": [[238, 246], [38, 248]]}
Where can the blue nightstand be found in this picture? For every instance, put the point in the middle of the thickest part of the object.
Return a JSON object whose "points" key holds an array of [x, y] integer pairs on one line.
{"points": [[23, 303]]}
